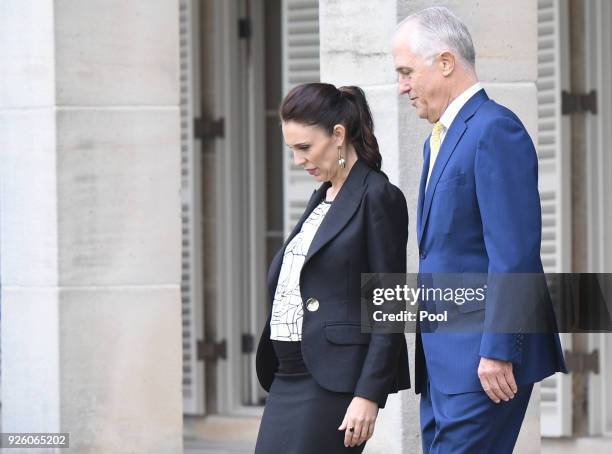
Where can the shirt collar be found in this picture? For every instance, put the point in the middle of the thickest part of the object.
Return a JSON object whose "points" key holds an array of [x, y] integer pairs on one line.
{"points": [[455, 106]]}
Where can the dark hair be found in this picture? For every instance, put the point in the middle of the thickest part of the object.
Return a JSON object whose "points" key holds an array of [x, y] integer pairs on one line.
{"points": [[324, 105]]}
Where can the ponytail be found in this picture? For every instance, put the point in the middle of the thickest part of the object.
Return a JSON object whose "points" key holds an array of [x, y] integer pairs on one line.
{"points": [[363, 138]]}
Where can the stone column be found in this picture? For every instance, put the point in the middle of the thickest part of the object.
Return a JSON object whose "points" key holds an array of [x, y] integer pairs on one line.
{"points": [[356, 49], [90, 222]]}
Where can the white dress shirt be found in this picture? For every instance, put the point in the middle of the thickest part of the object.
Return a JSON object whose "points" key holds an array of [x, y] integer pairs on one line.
{"points": [[448, 117]]}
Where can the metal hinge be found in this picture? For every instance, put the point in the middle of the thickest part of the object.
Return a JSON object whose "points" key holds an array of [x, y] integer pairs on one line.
{"points": [[212, 351], [574, 103], [245, 28], [248, 343], [582, 362], [207, 129]]}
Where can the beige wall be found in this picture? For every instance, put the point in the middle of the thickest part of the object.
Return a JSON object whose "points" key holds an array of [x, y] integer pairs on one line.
{"points": [[90, 225]]}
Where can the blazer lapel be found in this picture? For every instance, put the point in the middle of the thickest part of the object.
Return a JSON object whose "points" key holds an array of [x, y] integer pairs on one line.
{"points": [[426, 155], [277, 261], [453, 136], [342, 209], [317, 196]]}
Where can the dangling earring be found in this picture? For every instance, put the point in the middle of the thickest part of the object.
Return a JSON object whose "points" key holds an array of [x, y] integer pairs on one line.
{"points": [[341, 160]]}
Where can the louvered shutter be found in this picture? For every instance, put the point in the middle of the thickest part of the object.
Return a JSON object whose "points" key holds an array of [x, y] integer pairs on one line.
{"points": [[554, 165], [191, 265], [604, 11], [300, 65], [598, 135]]}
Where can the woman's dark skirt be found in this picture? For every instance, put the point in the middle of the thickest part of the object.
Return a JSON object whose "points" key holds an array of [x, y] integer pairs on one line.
{"points": [[301, 417]]}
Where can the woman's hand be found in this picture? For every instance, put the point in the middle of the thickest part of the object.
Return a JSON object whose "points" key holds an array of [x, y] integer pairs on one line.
{"points": [[360, 417]]}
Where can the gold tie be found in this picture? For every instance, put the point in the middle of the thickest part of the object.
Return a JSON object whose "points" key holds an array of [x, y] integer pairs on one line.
{"points": [[434, 143]]}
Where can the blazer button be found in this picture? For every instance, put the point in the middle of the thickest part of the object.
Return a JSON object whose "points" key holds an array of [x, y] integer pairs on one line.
{"points": [[312, 304], [423, 256]]}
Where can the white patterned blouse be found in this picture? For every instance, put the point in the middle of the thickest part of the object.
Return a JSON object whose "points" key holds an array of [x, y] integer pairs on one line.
{"points": [[287, 309]]}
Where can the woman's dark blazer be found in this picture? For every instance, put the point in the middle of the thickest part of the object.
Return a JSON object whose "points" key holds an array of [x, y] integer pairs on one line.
{"points": [[364, 231]]}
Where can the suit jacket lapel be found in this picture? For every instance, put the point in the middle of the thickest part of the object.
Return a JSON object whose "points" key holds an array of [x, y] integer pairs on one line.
{"points": [[453, 136], [448, 146], [426, 155], [344, 206]]}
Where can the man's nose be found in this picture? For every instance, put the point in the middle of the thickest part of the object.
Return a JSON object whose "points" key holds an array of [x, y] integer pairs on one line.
{"points": [[404, 88]]}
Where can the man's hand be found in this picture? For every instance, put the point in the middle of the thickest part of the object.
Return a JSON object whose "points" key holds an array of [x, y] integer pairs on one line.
{"points": [[360, 416], [497, 379]]}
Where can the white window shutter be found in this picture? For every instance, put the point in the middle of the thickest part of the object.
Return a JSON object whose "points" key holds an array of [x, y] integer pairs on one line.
{"points": [[300, 65], [554, 179], [191, 264]]}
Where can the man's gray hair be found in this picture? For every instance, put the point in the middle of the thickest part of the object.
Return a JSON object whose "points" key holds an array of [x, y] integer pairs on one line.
{"points": [[439, 29]]}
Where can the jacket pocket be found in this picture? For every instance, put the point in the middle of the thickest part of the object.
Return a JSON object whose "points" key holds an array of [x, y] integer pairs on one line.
{"points": [[451, 182], [475, 282], [346, 333], [471, 306]]}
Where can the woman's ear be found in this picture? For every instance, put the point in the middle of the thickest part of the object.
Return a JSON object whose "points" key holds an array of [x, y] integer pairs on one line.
{"points": [[339, 134]]}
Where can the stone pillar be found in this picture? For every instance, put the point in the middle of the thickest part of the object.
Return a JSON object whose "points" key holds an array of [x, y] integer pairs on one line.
{"points": [[356, 49], [90, 222]]}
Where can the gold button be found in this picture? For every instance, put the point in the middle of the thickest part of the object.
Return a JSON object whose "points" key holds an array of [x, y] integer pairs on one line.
{"points": [[312, 304]]}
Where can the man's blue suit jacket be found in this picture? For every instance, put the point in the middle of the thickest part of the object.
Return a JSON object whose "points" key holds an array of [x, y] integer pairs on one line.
{"points": [[480, 213]]}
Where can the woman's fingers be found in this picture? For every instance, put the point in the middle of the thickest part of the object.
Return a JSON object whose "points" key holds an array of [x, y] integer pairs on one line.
{"points": [[363, 435], [351, 434], [371, 429], [358, 423]]}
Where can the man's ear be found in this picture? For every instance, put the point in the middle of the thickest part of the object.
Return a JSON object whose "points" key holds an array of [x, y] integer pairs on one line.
{"points": [[447, 63]]}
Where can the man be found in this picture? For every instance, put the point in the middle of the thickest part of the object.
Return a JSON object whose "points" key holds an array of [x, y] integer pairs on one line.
{"points": [[479, 212]]}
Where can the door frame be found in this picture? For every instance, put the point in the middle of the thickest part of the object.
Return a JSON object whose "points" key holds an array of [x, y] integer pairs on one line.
{"points": [[598, 48], [240, 192], [257, 192]]}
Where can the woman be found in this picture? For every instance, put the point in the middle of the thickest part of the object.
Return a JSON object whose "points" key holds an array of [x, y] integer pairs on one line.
{"points": [[326, 379]]}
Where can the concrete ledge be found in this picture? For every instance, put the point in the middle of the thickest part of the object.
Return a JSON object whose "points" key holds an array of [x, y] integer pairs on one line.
{"points": [[217, 428], [576, 445]]}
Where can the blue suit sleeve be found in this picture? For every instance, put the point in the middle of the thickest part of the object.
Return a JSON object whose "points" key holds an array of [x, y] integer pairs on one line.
{"points": [[506, 174]]}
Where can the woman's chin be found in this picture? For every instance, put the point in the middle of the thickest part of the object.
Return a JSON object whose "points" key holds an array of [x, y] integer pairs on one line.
{"points": [[318, 177]]}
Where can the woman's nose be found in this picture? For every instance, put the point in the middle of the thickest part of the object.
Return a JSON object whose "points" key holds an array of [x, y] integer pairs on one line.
{"points": [[298, 160]]}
